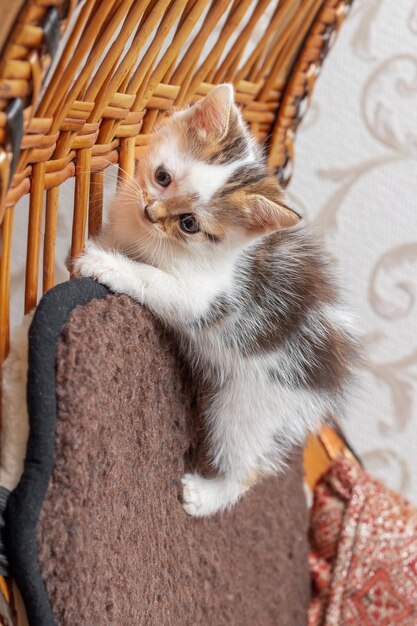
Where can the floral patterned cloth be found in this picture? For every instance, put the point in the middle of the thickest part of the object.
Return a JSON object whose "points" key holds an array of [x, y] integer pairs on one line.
{"points": [[364, 552]]}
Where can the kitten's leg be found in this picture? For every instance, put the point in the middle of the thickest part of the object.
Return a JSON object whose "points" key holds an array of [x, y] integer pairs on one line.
{"points": [[241, 437], [161, 292]]}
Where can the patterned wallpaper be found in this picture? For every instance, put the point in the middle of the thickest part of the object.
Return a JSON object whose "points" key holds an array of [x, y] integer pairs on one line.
{"points": [[356, 177]]}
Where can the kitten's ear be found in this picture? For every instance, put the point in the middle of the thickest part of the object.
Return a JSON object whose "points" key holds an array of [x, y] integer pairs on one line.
{"points": [[211, 115], [269, 216]]}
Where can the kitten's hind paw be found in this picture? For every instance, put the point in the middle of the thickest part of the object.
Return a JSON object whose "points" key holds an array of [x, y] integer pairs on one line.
{"points": [[206, 496], [191, 494]]}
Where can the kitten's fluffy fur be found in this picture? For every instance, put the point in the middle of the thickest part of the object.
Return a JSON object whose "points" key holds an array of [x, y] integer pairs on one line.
{"points": [[249, 295]]}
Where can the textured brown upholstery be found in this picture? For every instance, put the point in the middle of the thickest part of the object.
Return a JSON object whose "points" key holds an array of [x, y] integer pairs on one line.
{"points": [[115, 545]]}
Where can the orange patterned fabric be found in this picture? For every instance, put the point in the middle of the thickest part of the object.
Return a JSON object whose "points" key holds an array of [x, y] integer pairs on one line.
{"points": [[364, 552]]}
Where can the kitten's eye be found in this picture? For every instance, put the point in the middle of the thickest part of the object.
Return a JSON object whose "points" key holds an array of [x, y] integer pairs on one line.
{"points": [[189, 224], [162, 177]]}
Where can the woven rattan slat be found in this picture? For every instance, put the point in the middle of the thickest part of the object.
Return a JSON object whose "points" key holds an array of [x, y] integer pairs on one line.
{"points": [[124, 65], [9, 11]]}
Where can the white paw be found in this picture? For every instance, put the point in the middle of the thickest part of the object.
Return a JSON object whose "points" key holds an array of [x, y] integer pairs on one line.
{"points": [[192, 496], [90, 262], [97, 263], [206, 496]]}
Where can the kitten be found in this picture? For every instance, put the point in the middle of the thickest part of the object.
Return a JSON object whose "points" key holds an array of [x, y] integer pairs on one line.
{"points": [[204, 239]]}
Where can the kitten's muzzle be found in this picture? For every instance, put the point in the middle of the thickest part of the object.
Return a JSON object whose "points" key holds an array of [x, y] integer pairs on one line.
{"points": [[149, 214]]}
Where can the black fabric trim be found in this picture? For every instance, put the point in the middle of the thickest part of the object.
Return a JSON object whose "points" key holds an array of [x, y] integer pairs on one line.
{"points": [[4, 562], [25, 502]]}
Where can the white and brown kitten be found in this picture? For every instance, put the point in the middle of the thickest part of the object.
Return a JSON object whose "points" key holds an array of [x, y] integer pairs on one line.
{"points": [[204, 239]]}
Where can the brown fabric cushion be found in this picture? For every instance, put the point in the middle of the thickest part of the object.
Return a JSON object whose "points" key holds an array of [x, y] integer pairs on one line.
{"points": [[115, 546]]}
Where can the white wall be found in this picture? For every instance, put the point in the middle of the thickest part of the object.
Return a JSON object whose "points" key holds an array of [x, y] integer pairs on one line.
{"points": [[356, 175]]}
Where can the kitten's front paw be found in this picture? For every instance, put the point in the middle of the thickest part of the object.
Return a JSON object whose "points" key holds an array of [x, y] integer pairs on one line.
{"points": [[89, 263], [96, 263]]}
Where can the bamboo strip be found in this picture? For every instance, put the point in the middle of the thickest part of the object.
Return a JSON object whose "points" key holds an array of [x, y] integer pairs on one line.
{"points": [[230, 25], [81, 195], [300, 22], [34, 236], [190, 59], [278, 35], [143, 94], [127, 159], [95, 206], [103, 76], [51, 215], [5, 260], [94, 54]]}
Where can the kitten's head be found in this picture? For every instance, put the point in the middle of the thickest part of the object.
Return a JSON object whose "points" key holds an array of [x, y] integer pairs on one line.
{"points": [[202, 187]]}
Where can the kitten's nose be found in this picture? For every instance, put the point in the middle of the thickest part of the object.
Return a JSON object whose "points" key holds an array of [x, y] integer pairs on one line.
{"points": [[148, 213]]}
